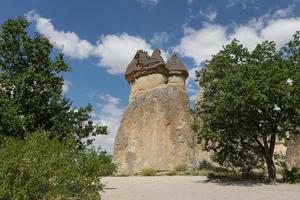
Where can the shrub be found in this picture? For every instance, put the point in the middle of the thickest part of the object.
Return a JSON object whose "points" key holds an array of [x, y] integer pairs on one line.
{"points": [[180, 167], [292, 175], [206, 165], [41, 168], [148, 171], [289, 174]]}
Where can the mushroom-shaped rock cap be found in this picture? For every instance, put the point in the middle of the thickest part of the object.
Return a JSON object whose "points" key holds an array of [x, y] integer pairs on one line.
{"points": [[142, 64], [176, 67]]}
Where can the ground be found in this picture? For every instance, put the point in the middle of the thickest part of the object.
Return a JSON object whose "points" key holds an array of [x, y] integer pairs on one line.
{"points": [[193, 188]]}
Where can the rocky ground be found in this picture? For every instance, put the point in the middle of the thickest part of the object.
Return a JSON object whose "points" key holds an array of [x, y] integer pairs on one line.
{"points": [[193, 188]]}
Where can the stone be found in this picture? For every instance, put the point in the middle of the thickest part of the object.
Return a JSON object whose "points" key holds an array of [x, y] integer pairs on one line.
{"points": [[145, 83], [155, 132], [293, 151], [156, 128], [142, 64], [176, 67]]}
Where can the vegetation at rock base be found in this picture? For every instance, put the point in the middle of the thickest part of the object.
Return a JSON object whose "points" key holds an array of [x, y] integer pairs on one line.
{"points": [[250, 100], [148, 171], [44, 140], [180, 167], [41, 168]]}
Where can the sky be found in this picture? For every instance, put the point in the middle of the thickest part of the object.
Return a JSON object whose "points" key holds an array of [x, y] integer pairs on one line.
{"points": [[100, 37]]}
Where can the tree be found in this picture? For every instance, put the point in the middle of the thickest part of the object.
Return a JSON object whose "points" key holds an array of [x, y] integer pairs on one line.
{"points": [[43, 168], [44, 141], [250, 99], [31, 89]]}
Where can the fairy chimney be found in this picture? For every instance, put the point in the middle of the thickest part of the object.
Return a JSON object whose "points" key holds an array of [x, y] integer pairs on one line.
{"points": [[155, 130]]}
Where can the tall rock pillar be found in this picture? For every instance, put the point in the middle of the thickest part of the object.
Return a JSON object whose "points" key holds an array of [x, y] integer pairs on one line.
{"points": [[155, 130]]}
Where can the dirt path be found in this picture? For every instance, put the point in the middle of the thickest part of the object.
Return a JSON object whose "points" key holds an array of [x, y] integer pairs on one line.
{"points": [[192, 188]]}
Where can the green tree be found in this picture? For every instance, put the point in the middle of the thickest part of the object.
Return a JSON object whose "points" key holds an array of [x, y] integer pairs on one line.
{"points": [[43, 168], [31, 89], [250, 99]]}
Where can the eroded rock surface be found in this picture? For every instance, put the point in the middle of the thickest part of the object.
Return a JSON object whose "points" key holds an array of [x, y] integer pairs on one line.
{"points": [[155, 132], [293, 151]]}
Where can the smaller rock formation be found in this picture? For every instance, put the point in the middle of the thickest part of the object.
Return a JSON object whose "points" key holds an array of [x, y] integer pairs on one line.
{"points": [[177, 72], [293, 151]]}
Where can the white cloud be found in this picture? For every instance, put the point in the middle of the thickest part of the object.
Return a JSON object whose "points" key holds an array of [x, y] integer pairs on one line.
{"points": [[67, 41], [116, 51], [159, 39], [149, 2], [66, 86], [285, 12], [209, 13], [201, 44], [108, 113], [281, 30]]}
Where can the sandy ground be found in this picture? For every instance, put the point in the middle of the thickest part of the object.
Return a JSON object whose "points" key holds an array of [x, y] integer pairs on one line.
{"points": [[192, 188]]}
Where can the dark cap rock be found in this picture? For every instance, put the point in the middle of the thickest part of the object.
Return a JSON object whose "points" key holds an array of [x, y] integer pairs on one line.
{"points": [[142, 64], [176, 67]]}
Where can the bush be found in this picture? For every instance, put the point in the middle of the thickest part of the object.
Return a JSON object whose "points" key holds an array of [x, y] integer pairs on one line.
{"points": [[206, 165], [289, 174], [292, 175], [148, 171], [181, 167], [41, 168]]}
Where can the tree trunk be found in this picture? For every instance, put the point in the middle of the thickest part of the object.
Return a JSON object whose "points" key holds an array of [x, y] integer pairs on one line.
{"points": [[271, 169], [269, 150]]}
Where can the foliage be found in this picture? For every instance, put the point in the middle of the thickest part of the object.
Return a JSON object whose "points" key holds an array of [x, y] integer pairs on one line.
{"points": [[206, 165], [148, 171], [44, 140], [41, 168], [239, 157], [292, 175], [31, 89], [289, 174], [180, 167], [249, 100]]}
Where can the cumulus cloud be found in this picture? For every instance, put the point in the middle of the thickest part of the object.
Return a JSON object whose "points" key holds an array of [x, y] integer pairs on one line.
{"points": [[66, 86], [285, 12], [159, 39], [108, 113], [114, 51], [201, 44], [209, 14], [67, 41]]}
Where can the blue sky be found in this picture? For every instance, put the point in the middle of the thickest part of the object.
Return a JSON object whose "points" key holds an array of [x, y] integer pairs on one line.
{"points": [[99, 38]]}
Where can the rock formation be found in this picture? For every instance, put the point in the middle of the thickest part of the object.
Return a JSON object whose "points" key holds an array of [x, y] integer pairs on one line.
{"points": [[155, 130], [293, 151]]}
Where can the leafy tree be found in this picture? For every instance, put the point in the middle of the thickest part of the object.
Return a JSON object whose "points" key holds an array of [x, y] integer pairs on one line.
{"points": [[31, 89], [43, 168], [250, 99]]}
